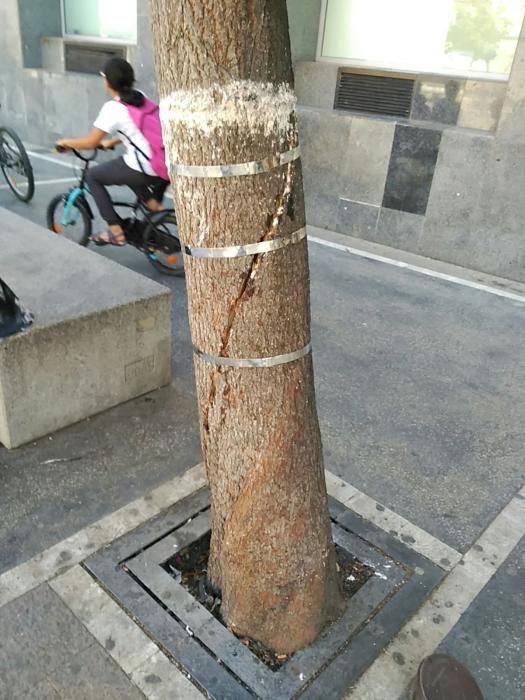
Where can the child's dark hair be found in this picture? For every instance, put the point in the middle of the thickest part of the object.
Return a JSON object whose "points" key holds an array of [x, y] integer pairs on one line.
{"points": [[121, 78]]}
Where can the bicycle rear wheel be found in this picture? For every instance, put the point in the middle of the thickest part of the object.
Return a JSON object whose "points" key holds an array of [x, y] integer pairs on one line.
{"points": [[16, 165], [76, 226], [162, 244]]}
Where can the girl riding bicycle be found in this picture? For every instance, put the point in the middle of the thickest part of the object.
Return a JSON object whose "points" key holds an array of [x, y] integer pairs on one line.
{"points": [[135, 122]]}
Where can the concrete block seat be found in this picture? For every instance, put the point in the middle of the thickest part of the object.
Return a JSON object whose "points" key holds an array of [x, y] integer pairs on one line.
{"points": [[101, 335]]}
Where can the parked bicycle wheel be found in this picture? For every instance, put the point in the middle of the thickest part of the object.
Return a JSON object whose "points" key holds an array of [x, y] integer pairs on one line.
{"points": [[16, 165], [75, 224], [161, 239]]}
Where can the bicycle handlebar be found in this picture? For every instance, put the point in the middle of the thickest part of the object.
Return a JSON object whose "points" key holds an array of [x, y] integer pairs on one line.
{"points": [[81, 156]]}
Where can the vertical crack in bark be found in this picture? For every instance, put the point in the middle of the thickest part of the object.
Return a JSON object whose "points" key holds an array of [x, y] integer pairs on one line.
{"points": [[276, 218]]}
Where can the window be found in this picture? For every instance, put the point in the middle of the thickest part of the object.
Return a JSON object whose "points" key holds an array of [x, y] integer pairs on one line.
{"points": [[461, 37], [105, 20]]}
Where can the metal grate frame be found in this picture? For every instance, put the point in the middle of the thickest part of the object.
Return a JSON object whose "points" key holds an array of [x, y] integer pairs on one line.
{"points": [[85, 58], [388, 94], [132, 570]]}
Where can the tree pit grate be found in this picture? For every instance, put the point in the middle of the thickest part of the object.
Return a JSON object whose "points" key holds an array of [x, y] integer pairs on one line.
{"points": [[189, 567], [140, 571]]}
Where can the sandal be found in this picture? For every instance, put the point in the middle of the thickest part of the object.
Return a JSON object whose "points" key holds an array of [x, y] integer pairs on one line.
{"points": [[108, 238]]}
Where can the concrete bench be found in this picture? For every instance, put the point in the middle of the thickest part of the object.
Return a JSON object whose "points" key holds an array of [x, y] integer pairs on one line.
{"points": [[101, 336]]}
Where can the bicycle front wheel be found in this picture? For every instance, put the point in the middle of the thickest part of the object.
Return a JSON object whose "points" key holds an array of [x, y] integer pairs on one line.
{"points": [[74, 225], [162, 245], [16, 165]]}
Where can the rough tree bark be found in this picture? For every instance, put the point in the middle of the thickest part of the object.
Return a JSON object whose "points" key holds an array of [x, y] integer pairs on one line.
{"points": [[226, 85]]}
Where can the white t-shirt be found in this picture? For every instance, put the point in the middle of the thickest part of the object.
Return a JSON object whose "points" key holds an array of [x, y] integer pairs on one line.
{"points": [[114, 117]]}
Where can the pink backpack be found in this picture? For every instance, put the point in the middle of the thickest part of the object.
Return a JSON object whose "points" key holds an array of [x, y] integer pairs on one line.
{"points": [[147, 120]]}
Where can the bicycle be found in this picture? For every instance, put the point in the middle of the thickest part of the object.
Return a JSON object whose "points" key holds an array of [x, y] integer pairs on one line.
{"points": [[15, 165], [153, 233]]}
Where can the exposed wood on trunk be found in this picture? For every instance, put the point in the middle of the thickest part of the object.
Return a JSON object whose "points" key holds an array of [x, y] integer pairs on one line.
{"points": [[225, 80]]}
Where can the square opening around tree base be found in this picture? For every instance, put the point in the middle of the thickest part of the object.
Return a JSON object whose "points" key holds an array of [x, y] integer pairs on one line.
{"points": [[189, 567], [135, 569]]}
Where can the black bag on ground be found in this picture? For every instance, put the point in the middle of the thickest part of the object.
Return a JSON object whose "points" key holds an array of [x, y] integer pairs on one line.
{"points": [[13, 318]]}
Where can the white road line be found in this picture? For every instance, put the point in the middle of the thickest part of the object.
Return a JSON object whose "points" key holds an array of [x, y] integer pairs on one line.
{"points": [[420, 270], [46, 182], [391, 673], [403, 530], [122, 638], [50, 159], [74, 549]]}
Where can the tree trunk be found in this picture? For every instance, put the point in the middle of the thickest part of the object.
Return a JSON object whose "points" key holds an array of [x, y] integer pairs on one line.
{"points": [[225, 80]]}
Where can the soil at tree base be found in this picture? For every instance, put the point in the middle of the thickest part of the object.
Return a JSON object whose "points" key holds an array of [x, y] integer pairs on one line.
{"points": [[190, 568]]}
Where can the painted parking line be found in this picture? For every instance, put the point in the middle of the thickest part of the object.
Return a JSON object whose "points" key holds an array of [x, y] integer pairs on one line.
{"points": [[419, 270], [56, 181], [391, 673]]}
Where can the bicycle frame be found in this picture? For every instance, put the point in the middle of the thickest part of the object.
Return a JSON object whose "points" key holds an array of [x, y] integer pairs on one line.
{"points": [[81, 190], [150, 232], [78, 192]]}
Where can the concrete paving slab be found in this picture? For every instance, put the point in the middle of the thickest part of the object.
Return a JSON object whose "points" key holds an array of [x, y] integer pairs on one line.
{"points": [[92, 675], [160, 679], [391, 673], [38, 635], [47, 654], [107, 622], [489, 638], [44, 690]]}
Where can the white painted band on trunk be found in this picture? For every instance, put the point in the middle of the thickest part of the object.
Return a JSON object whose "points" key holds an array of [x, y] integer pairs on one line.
{"points": [[257, 362], [242, 251], [252, 107], [254, 167]]}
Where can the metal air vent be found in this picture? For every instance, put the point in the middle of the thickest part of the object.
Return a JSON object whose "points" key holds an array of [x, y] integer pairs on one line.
{"points": [[85, 58], [375, 93]]}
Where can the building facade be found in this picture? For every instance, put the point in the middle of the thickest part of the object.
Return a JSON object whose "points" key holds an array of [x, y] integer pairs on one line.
{"points": [[412, 114]]}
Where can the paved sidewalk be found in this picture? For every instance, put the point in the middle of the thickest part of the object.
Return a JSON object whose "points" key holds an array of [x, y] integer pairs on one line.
{"points": [[47, 654], [64, 637], [420, 382]]}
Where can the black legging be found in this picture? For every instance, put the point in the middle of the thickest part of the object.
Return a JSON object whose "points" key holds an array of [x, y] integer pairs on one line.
{"points": [[116, 172]]}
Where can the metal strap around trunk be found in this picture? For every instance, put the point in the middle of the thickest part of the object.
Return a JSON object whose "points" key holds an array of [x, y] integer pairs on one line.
{"points": [[255, 167], [256, 362], [242, 251]]}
